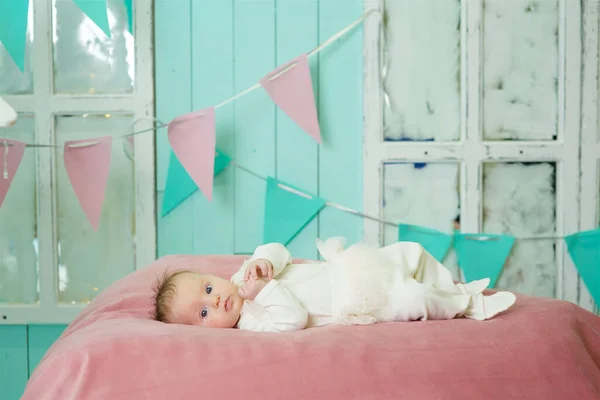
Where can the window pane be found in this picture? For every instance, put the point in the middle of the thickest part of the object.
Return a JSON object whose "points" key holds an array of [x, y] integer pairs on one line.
{"points": [[422, 70], [520, 199], [520, 71], [12, 80], [18, 217], [89, 261], [86, 61], [422, 194]]}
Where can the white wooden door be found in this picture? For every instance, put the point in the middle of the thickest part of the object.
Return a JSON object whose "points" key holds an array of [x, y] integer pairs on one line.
{"points": [[473, 122]]}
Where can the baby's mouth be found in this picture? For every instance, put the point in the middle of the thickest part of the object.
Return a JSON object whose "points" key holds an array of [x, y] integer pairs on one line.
{"points": [[228, 304]]}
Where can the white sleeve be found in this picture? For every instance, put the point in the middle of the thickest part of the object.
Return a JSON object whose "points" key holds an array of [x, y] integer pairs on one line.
{"points": [[276, 253], [279, 310]]}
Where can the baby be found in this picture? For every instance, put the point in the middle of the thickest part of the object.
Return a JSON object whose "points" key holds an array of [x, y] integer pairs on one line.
{"points": [[359, 285]]}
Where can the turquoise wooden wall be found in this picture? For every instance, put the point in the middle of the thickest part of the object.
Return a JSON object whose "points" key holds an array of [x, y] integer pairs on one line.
{"points": [[21, 349], [207, 51]]}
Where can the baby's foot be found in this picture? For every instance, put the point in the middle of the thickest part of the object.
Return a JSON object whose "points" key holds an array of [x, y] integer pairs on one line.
{"points": [[474, 287], [485, 307]]}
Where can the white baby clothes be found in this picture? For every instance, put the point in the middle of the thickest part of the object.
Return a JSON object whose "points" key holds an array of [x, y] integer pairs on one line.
{"points": [[362, 285], [302, 291]]}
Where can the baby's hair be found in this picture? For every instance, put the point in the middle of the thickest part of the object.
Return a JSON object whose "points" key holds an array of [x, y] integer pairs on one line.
{"points": [[164, 291]]}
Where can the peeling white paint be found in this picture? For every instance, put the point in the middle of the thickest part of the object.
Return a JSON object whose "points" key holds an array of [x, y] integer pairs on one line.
{"points": [[520, 200], [539, 58], [520, 69], [422, 194], [422, 70]]}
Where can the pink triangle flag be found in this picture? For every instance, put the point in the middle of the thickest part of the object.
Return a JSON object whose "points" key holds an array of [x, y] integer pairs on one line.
{"points": [[193, 139], [290, 87], [87, 163], [11, 153]]}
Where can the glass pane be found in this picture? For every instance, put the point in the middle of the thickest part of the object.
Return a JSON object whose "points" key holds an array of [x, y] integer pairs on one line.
{"points": [[408, 198], [520, 199], [89, 261], [12, 80], [520, 69], [86, 61], [421, 72], [18, 218]]}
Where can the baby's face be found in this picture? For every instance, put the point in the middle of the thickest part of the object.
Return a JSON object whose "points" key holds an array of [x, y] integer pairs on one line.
{"points": [[205, 300]]}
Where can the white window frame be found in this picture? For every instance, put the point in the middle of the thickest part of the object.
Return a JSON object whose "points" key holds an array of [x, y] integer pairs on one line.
{"points": [[471, 151], [590, 140], [44, 104]]}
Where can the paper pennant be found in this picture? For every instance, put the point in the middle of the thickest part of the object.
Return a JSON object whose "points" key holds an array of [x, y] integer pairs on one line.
{"points": [[87, 163], [129, 8], [482, 256], [290, 87], [584, 248], [13, 29], [180, 186], [287, 213], [193, 139], [11, 154], [436, 243], [97, 11]]}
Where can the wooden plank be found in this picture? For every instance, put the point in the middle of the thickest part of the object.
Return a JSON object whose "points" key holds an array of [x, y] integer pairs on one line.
{"points": [[297, 152], [254, 38], [13, 361], [341, 110], [212, 82], [40, 338], [173, 97], [373, 123], [590, 146], [175, 234]]}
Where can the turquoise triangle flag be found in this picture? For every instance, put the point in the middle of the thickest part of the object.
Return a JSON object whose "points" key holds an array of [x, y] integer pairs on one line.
{"points": [[129, 7], [180, 186], [97, 11], [436, 243], [584, 248], [287, 212], [482, 256], [13, 29]]}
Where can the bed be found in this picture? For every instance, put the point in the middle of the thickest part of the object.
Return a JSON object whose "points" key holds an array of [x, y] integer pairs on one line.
{"points": [[540, 349]]}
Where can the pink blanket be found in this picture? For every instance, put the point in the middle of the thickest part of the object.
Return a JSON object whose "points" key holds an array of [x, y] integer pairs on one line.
{"points": [[540, 349]]}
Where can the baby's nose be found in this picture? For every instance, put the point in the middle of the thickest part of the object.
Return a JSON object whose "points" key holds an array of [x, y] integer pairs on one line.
{"points": [[217, 301]]}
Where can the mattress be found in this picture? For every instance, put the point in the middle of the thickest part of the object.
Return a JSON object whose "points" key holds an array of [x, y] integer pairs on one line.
{"points": [[539, 349]]}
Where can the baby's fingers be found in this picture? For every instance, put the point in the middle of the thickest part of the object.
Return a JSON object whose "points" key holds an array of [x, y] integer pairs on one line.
{"points": [[264, 269]]}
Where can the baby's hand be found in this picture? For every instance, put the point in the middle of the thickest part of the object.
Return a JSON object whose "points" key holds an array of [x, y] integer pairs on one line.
{"points": [[260, 268], [251, 288]]}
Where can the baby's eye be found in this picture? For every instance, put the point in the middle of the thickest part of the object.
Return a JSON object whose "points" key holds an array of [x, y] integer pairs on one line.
{"points": [[204, 313], [208, 289]]}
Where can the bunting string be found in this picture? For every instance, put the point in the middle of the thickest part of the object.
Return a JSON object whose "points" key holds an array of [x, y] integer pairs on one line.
{"points": [[314, 51], [158, 125], [195, 161], [375, 219]]}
